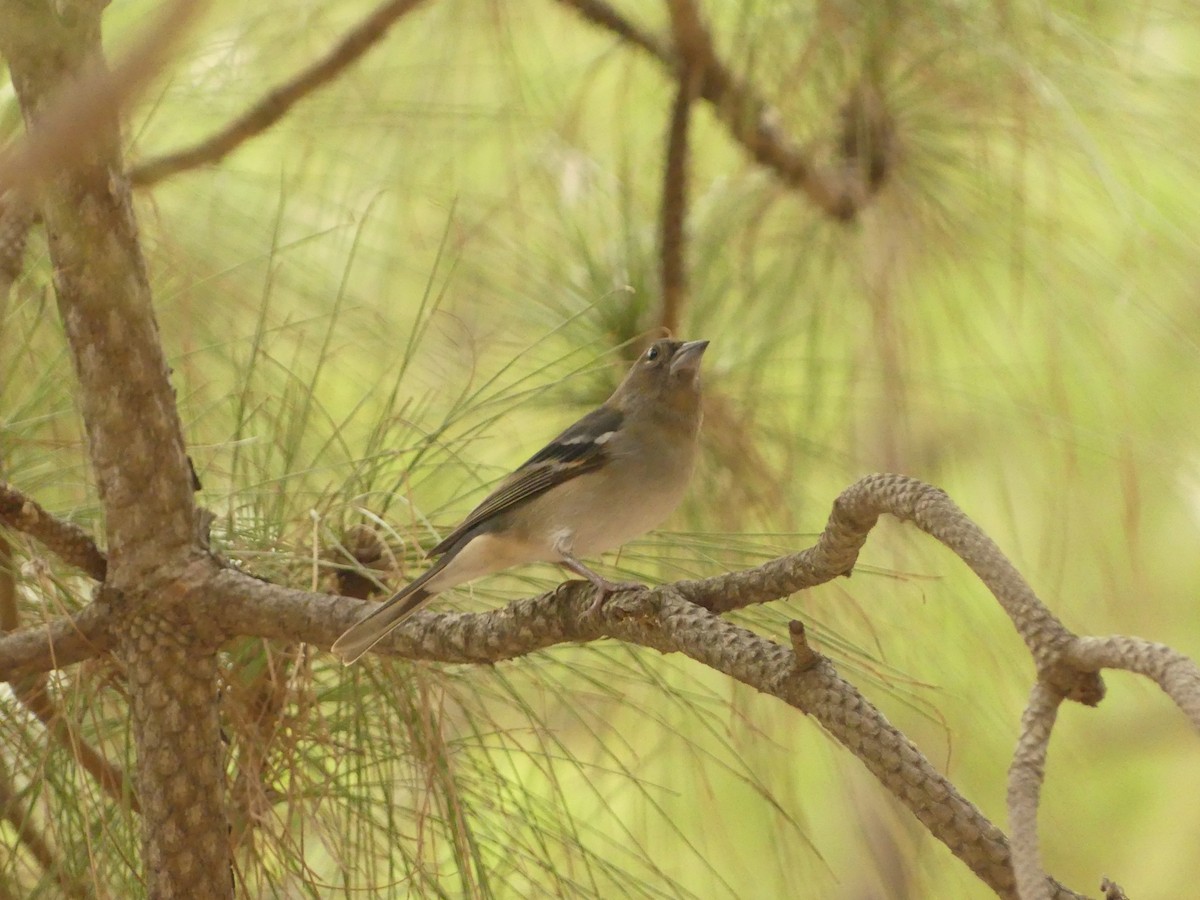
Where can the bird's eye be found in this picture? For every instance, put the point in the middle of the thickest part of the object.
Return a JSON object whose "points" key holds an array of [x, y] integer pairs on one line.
{"points": [[652, 354]]}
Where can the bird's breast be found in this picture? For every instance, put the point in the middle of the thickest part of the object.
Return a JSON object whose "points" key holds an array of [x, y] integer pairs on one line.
{"points": [[600, 511]]}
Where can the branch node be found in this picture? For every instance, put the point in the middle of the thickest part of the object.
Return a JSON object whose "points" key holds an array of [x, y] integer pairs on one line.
{"points": [[806, 656]]}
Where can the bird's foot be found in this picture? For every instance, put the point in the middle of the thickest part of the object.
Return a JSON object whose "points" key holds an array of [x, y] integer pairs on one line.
{"points": [[606, 588]]}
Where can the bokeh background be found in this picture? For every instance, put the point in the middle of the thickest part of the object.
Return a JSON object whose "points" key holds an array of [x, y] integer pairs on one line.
{"points": [[448, 253]]}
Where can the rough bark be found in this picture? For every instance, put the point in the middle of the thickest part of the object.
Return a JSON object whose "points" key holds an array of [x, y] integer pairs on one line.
{"points": [[137, 453]]}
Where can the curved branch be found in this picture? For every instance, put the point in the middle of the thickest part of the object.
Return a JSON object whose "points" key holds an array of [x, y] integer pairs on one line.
{"points": [[1176, 674], [1025, 778], [662, 620], [275, 105], [66, 540], [748, 118], [854, 514]]}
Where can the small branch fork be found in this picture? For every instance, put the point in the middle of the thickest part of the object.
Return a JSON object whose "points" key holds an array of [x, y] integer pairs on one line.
{"points": [[840, 192], [684, 617]]}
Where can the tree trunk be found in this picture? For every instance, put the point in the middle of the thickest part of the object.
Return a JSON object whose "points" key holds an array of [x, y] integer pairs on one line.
{"points": [[137, 452]]}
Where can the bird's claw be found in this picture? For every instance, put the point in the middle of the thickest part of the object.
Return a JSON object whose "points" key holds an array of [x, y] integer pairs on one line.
{"points": [[608, 588]]}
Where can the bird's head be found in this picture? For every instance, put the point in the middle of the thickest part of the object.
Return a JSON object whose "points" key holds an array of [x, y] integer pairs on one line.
{"points": [[665, 379]]}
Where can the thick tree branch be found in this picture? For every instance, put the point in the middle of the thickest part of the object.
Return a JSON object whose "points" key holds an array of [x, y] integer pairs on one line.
{"points": [[275, 105], [77, 117], [662, 620], [135, 438], [66, 540]]}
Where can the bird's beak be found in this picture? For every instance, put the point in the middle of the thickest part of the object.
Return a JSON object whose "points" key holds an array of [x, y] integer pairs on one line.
{"points": [[687, 358]]}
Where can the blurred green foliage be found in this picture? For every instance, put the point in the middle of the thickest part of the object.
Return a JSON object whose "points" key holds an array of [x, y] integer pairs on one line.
{"points": [[437, 261]]}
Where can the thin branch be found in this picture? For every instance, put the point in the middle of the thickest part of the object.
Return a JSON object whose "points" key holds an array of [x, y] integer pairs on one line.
{"points": [[1025, 778], [672, 239], [15, 219], [600, 13], [749, 119], [66, 540], [33, 693], [64, 642], [28, 836], [276, 104], [1176, 674], [854, 514]]}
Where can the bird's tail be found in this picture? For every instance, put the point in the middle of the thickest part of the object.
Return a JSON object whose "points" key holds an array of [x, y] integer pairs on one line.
{"points": [[364, 634]]}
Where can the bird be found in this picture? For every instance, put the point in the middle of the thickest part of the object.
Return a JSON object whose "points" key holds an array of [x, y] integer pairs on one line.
{"points": [[614, 475]]}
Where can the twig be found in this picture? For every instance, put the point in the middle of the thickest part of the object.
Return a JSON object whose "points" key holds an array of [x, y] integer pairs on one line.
{"points": [[66, 540], [806, 656], [33, 695], [672, 238], [749, 119], [276, 104], [32, 692], [30, 837]]}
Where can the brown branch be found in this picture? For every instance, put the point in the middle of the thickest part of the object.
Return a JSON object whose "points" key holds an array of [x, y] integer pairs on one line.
{"points": [[600, 13], [17, 818], [1025, 777], [15, 219], [62, 643], [854, 514], [67, 541], [662, 620], [1178, 676], [33, 693], [276, 104], [672, 237], [1175, 673], [749, 119], [82, 116], [31, 838]]}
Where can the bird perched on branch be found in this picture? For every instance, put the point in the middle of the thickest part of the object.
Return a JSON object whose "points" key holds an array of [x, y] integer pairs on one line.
{"points": [[612, 476]]}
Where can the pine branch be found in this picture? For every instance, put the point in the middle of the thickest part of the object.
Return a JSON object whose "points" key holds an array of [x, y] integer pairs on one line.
{"points": [[280, 101]]}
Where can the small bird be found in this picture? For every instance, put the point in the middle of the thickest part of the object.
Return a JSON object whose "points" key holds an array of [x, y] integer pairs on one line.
{"points": [[612, 476]]}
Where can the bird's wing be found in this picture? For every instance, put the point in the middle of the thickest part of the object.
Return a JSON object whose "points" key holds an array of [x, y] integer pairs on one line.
{"points": [[581, 448]]}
